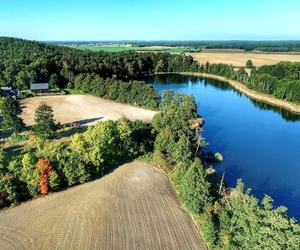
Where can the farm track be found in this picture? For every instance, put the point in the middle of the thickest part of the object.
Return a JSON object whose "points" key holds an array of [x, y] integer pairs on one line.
{"points": [[134, 207]]}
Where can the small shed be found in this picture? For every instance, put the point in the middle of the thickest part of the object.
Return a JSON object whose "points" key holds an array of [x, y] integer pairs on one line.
{"points": [[39, 87]]}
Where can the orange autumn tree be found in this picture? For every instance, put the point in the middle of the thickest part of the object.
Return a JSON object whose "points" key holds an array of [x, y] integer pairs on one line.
{"points": [[44, 168]]}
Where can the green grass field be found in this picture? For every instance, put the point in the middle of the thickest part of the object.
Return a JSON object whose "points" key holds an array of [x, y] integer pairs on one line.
{"points": [[119, 48]]}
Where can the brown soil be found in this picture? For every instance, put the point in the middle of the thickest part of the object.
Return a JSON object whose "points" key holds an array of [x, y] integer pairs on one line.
{"points": [[134, 207]]}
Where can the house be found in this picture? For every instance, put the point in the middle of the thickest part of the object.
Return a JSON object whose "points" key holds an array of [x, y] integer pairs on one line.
{"points": [[39, 87], [8, 91]]}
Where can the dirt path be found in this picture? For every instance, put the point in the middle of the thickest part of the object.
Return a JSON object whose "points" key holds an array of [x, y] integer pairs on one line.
{"points": [[84, 108], [134, 207], [293, 107]]}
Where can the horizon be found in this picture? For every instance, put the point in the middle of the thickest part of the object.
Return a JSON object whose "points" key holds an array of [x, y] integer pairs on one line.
{"points": [[151, 20]]}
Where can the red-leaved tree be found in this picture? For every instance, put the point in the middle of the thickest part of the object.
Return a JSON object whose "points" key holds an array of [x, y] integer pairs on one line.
{"points": [[44, 168]]}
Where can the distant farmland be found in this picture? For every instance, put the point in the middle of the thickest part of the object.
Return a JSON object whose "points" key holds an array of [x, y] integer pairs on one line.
{"points": [[119, 48], [239, 59]]}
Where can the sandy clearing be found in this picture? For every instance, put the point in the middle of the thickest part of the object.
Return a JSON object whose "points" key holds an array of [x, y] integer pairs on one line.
{"points": [[135, 207], [240, 59], [84, 108]]}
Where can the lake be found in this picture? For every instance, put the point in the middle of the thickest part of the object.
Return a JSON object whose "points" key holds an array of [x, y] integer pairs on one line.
{"points": [[260, 144]]}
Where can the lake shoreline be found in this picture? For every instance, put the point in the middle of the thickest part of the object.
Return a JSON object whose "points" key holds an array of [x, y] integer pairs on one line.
{"points": [[292, 107]]}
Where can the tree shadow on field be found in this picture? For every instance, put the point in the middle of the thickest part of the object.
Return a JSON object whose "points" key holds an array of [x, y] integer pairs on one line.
{"points": [[83, 126], [87, 121]]}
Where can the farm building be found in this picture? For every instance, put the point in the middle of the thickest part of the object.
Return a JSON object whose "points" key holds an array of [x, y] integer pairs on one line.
{"points": [[39, 87]]}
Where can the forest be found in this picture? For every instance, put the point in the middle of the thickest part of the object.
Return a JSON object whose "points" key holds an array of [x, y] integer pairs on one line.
{"points": [[23, 62]]}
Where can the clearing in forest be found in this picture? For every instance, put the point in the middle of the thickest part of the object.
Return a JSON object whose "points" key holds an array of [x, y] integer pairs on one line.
{"points": [[85, 109]]}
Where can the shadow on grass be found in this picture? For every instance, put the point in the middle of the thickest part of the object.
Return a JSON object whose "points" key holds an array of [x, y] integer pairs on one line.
{"points": [[14, 150]]}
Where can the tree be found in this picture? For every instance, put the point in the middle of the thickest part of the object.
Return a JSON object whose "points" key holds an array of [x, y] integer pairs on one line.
{"points": [[45, 125], [29, 174], [53, 81], [194, 189], [10, 110], [44, 169], [249, 64]]}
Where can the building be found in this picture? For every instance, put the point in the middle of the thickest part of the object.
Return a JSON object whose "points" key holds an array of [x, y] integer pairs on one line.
{"points": [[39, 87]]}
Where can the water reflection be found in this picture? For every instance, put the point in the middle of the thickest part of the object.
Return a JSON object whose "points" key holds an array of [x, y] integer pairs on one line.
{"points": [[182, 79]]}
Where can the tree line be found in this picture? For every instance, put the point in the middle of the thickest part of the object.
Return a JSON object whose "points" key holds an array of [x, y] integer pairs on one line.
{"points": [[133, 92], [281, 80]]}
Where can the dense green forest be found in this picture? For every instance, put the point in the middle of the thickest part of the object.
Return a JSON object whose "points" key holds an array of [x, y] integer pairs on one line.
{"points": [[281, 80], [23, 62]]}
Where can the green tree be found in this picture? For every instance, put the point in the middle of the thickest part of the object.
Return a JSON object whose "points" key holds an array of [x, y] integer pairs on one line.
{"points": [[54, 181], [45, 125], [249, 64], [194, 189], [29, 174], [53, 81], [10, 110]]}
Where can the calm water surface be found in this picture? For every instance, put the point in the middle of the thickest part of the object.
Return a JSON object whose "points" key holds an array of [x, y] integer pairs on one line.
{"points": [[260, 143]]}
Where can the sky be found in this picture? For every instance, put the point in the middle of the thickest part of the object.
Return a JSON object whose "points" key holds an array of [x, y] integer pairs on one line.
{"points": [[150, 19]]}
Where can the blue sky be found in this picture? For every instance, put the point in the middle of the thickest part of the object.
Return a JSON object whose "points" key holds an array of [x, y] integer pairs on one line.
{"points": [[150, 19]]}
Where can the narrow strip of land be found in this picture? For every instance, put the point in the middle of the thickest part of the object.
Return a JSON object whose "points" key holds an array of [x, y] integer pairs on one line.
{"points": [[86, 109], [134, 207], [292, 107]]}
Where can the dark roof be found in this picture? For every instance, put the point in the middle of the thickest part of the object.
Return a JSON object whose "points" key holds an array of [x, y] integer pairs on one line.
{"points": [[39, 86]]}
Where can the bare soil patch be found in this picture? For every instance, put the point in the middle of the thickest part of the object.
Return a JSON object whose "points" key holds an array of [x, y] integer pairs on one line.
{"points": [[135, 207], [86, 109], [240, 59]]}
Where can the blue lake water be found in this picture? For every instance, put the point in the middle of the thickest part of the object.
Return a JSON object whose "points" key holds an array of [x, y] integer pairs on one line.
{"points": [[260, 143]]}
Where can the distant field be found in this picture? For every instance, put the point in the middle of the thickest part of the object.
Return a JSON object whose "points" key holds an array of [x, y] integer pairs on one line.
{"points": [[134, 207], [119, 48], [239, 58]]}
